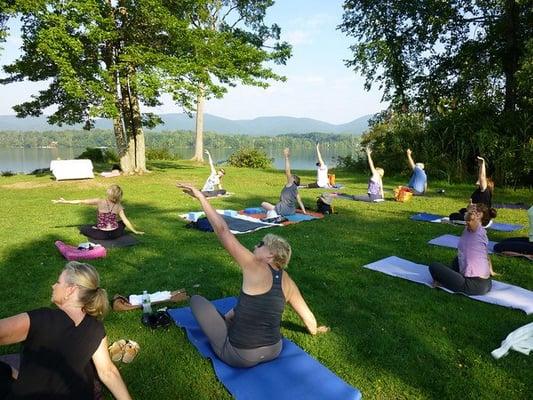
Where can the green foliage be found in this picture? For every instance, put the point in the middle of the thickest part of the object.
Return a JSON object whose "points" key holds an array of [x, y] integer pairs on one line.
{"points": [[160, 154], [349, 163], [99, 155], [250, 158], [7, 173]]}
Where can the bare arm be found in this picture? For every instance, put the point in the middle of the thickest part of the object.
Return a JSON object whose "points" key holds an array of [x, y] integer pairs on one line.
{"points": [[108, 372], [288, 173], [89, 202], [241, 254], [370, 161], [297, 302], [14, 329], [482, 174], [300, 203], [410, 159], [127, 222], [320, 160], [213, 170]]}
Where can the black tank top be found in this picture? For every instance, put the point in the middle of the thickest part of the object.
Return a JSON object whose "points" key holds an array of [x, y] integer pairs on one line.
{"points": [[257, 318], [483, 197]]}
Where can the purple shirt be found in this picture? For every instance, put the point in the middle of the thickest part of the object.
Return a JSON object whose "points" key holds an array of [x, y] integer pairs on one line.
{"points": [[374, 187], [473, 253]]}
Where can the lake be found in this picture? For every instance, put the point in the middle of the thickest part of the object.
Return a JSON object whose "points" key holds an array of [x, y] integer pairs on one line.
{"points": [[25, 160]]}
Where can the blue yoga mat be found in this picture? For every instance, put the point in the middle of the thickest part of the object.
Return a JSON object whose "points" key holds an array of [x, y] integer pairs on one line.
{"points": [[294, 375], [300, 217], [497, 226]]}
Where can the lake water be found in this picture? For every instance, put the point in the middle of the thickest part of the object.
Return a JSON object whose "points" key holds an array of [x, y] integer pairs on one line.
{"points": [[25, 160]]}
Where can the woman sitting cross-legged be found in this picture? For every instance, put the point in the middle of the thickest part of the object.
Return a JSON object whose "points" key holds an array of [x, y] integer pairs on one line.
{"points": [[289, 195], [471, 270], [250, 333], [63, 346], [111, 219]]}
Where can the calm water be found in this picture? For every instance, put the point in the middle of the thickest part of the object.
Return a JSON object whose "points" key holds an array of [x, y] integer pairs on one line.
{"points": [[28, 160]]}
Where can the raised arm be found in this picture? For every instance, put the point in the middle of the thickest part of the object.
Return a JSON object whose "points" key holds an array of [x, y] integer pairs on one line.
{"points": [[297, 302], [370, 161], [320, 160], [213, 170], [482, 173], [89, 202], [241, 254], [108, 372], [127, 222], [410, 159], [288, 174]]}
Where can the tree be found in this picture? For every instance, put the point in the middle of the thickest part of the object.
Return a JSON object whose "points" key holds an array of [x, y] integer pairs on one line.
{"points": [[104, 58], [231, 46]]}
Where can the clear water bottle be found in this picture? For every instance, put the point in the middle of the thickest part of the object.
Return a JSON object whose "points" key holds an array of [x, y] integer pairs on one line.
{"points": [[147, 306]]}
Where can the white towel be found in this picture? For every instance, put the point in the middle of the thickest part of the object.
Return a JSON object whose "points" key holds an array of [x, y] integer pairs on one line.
{"points": [[137, 299], [520, 340], [501, 293]]}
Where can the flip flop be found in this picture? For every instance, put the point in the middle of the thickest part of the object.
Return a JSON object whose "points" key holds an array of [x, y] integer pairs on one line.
{"points": [[116, 350], [178, 296], [121, 303]]}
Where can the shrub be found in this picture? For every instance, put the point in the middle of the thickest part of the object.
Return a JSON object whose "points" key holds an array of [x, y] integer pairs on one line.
{"points": [[250, 158], [7, 173], [93, 154], [159, 154]]}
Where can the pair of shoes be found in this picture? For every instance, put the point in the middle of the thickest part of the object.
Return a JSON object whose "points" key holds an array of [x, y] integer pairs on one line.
{"points": [[159, 319], [121, 303], [124, 350], [178, 295]]}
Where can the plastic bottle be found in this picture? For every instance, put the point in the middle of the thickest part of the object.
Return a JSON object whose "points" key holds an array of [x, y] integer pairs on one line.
{"points": [[147, 306]]}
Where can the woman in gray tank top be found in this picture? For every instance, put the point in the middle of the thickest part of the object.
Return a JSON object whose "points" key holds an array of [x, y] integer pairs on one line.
{"points": [[250, 333], [289, 195]]}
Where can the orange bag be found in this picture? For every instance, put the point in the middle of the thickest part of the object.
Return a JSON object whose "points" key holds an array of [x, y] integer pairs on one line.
{"points": [[331, 178], [402, 194]]}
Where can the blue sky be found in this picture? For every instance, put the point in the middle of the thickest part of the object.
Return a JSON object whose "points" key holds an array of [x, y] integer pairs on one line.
{"points": [[318, 85]]}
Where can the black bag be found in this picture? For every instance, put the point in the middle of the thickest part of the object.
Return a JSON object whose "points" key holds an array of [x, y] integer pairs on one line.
{"points": [[322, 207], [201, 224]]}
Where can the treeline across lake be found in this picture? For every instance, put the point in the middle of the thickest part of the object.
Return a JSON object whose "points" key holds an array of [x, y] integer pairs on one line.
{"points": [[172, 140]]}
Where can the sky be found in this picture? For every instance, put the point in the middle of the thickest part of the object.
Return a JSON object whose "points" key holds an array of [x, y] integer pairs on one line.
{"points": [[318, 85]]}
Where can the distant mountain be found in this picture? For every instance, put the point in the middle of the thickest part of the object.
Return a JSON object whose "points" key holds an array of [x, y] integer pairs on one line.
{"points": [[264, 126]]}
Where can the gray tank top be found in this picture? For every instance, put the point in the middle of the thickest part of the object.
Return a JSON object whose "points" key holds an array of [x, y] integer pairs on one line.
{"points": [[257, 318]]}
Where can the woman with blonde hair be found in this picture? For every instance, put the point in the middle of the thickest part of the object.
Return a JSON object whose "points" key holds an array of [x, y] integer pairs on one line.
{"points": [[250, 333], [111, 219], [63, 346]]}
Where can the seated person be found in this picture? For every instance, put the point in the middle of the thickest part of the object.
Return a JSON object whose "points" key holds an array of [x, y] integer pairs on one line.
{"points": [[213, 186], [289, 195], [63, 346], [111, 219], [250, 333], [375, 183], [322, 180], [482, 194], [519, 246], [471, 270], [419, 180]]}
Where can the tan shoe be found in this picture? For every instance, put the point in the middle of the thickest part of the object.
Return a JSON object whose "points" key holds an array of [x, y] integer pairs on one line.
{"points": [[116, 350], [130, 351], [179, 295]]}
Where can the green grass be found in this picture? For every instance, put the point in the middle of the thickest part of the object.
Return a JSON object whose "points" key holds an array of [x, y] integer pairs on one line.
{"points": [[390, 338]]}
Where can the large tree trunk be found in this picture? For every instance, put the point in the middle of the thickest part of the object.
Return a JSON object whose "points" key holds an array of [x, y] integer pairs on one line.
{"points": [[199, 146], [511, 52], [140, 148]]}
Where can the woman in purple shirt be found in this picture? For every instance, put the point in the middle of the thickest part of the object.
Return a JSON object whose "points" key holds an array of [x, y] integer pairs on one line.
{"points": [[471, 270]]}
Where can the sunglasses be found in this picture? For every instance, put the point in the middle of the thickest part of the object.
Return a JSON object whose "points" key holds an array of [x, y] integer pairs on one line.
{"points": [[260, 244]]}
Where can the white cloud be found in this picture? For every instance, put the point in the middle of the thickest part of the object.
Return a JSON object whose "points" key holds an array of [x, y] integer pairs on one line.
{"points": [[298, 37]]}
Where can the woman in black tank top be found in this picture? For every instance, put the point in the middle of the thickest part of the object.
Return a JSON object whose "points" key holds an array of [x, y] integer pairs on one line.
{"points": [[250, 333]]}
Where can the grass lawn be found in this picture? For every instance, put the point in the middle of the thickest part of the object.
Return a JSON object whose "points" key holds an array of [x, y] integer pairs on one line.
{"points": [[390, 338]]}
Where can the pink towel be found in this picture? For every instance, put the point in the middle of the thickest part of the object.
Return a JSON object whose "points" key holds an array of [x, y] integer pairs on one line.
{"points": [[72, 253]]}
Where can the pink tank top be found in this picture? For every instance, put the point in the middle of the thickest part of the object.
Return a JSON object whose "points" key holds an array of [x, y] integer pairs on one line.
{"points": [[107, 221]]}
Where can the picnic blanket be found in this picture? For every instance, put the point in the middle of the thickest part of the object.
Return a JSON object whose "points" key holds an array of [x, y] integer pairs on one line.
{"points": [[260, 213], [501, 293], [73, 253], [294, 375], [452, 242], [497, 226], [237, 223]]}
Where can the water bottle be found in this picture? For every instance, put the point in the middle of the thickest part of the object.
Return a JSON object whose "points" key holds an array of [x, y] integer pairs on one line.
{"points": [[147, 306]]}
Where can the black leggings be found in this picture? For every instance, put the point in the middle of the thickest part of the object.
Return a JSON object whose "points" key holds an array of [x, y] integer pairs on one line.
{"points": [[6, 379], [451, 278], [91, 232], [215, 328], [520, 245]]}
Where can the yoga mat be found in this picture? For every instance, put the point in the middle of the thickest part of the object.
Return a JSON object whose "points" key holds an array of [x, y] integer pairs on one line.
{"points": [[512, 206], [123, 241], [452, 242], [300, 217], [501, 293], [294, 375], [497, 226], [238, 223]]}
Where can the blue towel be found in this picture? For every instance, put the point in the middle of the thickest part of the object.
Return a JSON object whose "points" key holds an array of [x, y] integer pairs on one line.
{"points": [[294, 375], [300, 217], [254, 210]]}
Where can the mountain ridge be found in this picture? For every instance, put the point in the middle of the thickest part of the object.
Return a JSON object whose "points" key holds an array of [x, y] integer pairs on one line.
{"points": [[259, 126]]}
